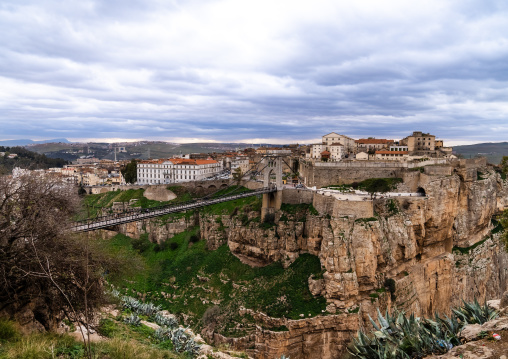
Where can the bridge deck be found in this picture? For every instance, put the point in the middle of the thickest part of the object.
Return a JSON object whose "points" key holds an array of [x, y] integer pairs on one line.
{"points": [[121, 218]]}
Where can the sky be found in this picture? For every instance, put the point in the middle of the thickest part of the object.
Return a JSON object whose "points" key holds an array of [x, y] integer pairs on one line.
{"points": [[276, 71]]}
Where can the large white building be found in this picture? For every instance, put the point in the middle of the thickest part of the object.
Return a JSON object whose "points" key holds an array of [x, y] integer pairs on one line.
{"points": [[336, 150], [175, 170]]}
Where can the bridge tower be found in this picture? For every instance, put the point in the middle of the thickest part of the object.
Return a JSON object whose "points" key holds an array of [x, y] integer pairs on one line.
{"points": [[271, 201]]}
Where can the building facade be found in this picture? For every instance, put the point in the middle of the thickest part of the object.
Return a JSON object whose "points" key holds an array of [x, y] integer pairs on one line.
{"points": [[176, 170]]}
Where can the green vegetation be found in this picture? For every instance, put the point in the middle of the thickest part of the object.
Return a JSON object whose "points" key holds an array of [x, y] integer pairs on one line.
{"points": [[479, 176], [93, 203], [26, 159], [392, 207], [171, 280], [130, 172], [467, 250], [365, 220], [125, 343], [247, 204], [297, 212], [397, 336]]}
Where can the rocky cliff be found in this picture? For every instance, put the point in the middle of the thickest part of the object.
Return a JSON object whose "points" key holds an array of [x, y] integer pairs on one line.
{"points": [[421, 254]]}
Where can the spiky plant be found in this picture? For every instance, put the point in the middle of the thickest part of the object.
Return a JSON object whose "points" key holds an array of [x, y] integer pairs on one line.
{"points": [[133, 320], [475, 313], [165, 321]]}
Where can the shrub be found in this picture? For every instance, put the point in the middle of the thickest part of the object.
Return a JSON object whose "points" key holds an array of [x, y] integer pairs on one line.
{"points": [[211, 316], [107, 328], [8, 331], [173, 246], [194, 238]]}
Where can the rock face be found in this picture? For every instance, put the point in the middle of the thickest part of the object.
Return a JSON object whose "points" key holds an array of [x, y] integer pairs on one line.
{"points": [[422, 254], [409, 243]]}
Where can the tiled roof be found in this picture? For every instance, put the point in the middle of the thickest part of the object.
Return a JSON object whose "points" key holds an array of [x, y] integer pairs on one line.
{"points": [[373, 141]]}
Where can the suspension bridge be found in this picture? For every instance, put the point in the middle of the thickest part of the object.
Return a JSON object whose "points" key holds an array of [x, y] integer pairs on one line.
{"points": [[270, 191]]}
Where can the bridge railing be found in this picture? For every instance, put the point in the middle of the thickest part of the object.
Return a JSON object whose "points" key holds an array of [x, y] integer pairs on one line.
{"points": [[145, 213]]}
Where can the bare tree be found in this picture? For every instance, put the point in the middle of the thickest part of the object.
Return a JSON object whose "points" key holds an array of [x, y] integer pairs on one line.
{"points": [[44, 268]]}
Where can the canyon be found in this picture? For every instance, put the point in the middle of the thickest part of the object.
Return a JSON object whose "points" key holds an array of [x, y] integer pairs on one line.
{"points": [[417, 254]]}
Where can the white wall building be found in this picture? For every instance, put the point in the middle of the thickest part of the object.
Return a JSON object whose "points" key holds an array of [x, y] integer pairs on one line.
{"points": [[317, 149], [348, 142], [176, 170], [336, 151]]}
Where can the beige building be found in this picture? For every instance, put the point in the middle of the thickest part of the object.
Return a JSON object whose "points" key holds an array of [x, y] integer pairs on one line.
{"points": [[392, 155], [419, 141], [347, 142], [372, 144]]}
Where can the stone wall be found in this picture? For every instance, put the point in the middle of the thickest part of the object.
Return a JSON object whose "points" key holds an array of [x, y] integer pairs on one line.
{"points": [[325, 176], [297, 196], [438, 170]]}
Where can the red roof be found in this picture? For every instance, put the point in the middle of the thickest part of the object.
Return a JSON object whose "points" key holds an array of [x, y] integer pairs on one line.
{"points": [[373, 141], [325, 153]]}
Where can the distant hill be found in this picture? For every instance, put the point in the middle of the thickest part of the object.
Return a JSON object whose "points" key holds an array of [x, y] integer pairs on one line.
{"points": [[26, 159], [140, 150], [494, 151], [25, 142]]}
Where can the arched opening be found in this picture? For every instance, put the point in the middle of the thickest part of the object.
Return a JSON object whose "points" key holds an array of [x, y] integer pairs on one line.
{"points": [[224, 185], [421, 192], [212, 187]]}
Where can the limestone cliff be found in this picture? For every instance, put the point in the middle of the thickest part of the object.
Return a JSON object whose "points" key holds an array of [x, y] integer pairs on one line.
{"points": [[421, 254], [409, 241]]}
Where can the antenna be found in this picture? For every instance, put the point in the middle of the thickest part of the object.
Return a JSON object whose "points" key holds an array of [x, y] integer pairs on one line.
{"points": [[114, 149]]}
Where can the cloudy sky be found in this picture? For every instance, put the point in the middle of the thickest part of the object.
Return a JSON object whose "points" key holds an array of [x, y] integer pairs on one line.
{"points": [[252, 71]]}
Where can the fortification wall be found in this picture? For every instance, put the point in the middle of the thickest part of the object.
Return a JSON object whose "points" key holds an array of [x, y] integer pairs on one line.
{"points": [[325, 176], [297, 196], [438, 170]]}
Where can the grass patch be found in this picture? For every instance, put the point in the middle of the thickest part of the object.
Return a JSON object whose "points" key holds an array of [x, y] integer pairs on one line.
{"points": [[273, 290], [365, 220], [467, 250]]}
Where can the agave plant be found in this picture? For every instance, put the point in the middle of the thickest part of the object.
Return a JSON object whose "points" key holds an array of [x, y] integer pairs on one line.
{"points": [[133, 319], [163, 334], [475, 313], [398, 336], [165, 321]]}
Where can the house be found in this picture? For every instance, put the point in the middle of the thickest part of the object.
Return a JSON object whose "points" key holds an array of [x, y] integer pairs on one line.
{"points": [[347, 142], [392, 155], [372, 144], [336, 151], [362, 156]]}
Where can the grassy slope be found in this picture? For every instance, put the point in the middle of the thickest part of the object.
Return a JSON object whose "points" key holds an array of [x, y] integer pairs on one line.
{"points": [[126, 342], [93, 203], [272, 289]]}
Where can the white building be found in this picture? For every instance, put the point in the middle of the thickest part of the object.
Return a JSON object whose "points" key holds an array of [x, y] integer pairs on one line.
{"points": [[175, 170], [336, 151], [317, 149], [348, 142]]}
